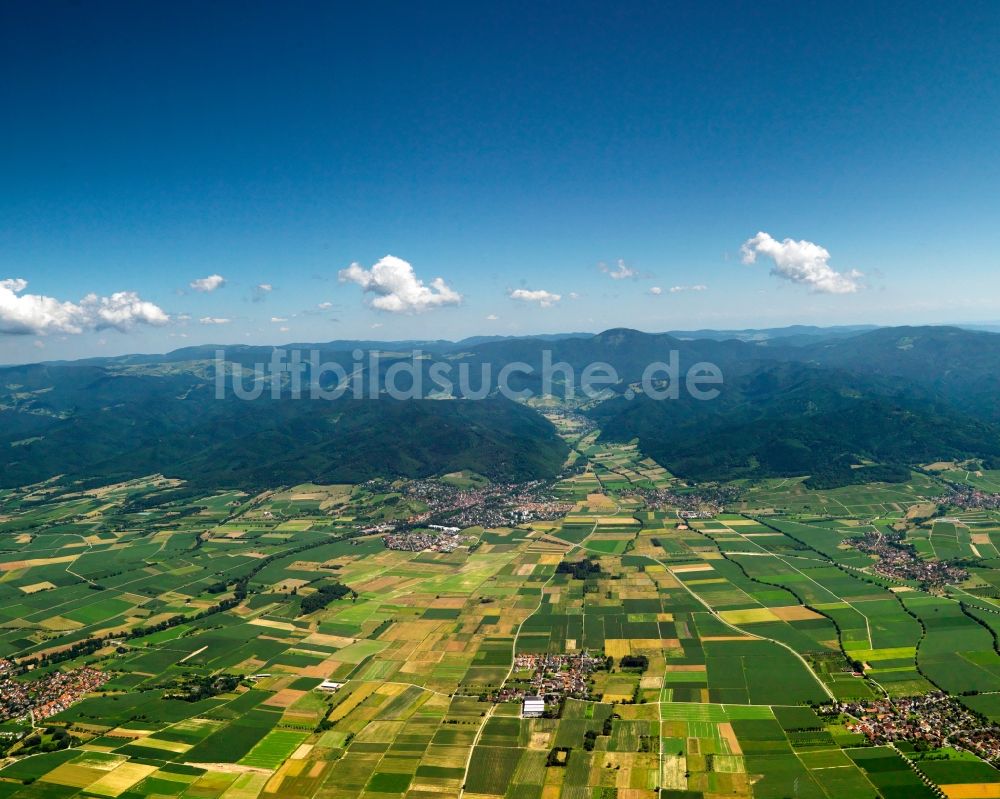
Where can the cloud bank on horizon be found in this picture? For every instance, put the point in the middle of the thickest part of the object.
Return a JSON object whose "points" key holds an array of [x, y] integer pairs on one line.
{"points": [[396, 287], [36, 314], [802, 262], [391, 285]]}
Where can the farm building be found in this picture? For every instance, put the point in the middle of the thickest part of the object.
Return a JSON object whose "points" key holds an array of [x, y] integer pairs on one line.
{"points": [[532, 707]]}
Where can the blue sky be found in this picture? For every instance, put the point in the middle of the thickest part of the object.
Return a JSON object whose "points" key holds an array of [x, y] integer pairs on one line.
{"points": [[506, 151]]}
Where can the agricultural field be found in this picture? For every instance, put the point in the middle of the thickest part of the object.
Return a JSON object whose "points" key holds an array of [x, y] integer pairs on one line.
{"points": [[160, 642]]}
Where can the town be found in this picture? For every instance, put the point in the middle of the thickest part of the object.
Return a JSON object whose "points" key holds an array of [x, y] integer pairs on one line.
{"points": [[553, 677], [50, 694], [930, 721], [969, 498], [898, 561], [491, 505], [433, 539], [704, 503]]}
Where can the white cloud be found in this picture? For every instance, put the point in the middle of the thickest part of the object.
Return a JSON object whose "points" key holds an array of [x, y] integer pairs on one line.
{"points": [[15, 284], [396, 287], [325, 306], [260, 292], [620, 271], [214, 320], [35, 314], [278, 319], [492, 317], [656, 290], [697, 287], [545, 299], [206, 284], [283, 329], [122, 310], [573, 295], [376, 325], [802, 262]]}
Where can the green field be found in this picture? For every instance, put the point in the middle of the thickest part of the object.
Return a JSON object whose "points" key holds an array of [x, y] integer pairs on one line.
{"points": [[717, 636]]}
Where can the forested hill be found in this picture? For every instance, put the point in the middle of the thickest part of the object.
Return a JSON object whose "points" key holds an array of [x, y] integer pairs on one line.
{"points": [[805, 401], [150, 425]]}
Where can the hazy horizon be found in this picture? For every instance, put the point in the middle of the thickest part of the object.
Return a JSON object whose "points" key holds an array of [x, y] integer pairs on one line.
{"points": [[386, 173]]}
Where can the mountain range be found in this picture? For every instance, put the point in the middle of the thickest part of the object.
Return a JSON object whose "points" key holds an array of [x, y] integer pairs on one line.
{"points": [[838, 405]]}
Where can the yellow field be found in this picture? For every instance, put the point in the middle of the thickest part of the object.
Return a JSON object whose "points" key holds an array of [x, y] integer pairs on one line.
{"points": [[246, 786], [34, 588], [273, 624], [167, 746], [294, 525], [72, 776], [617, 647], [972, 790], [360, 695], [684, 568], [59, 624], [795, 613], [893, 653], [674, 768], [30, 564]]}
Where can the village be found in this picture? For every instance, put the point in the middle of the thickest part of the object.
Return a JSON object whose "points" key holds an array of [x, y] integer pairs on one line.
{"points": [[553, 677], [930, 721], [48, 695], [969, 498], [492, 505], [898, 561], [435, 538], [706, 502]]}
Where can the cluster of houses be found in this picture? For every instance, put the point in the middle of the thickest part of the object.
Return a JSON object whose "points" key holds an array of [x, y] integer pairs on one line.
{"points": [[932, 721], [704, 503], [50, 694], [552, 678], [442, 539], [384, 527], [490, 505], [899, 561], [970, 498]]}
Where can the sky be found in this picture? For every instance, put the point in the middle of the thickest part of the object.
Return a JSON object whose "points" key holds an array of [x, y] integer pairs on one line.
{"points": [[186, 173]]}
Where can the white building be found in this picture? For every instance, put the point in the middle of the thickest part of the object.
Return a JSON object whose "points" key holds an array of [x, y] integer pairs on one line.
{"points": [[532, 707]]}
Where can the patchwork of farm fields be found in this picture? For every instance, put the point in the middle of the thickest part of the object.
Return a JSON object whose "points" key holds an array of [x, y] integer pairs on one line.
{"points": [[159, 643]]}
